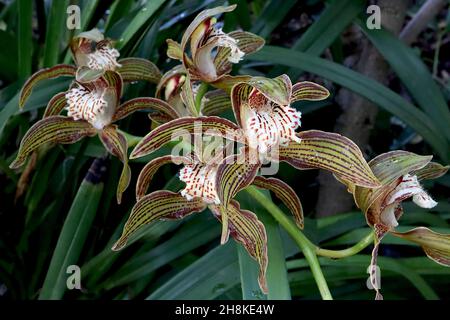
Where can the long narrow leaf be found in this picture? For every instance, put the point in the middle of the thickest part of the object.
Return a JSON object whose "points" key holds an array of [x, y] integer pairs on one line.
{"points": [[74, 233]]}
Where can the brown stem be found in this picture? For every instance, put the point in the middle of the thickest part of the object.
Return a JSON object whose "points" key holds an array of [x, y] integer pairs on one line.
{"points": [[420, 21]]}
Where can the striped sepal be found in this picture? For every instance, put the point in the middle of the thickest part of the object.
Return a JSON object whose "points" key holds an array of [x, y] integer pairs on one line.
{"points": [[134, 69], [215, 102], [159, 108], [55, 129], [247, 43], [278, 89], [166, 132], [116, 144], [159, 205], [149, 170], [49, 73], [187, 95], [332, 152], [388, 168], [435, 245], [56, 105], [285, 193], [174, 50], [234, 174], [310, 91], [246, 229], [432, 170]]}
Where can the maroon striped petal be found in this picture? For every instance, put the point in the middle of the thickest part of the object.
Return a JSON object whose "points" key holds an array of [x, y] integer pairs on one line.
{"points": [[310, 91], [285, 193], [155, 106], [169, 131], [332, 152], [56, 105], [116, 144], [135, 69], [245, 228], [55, 129], [149, 170], [159, 205], [59, 70], [435, 245]]}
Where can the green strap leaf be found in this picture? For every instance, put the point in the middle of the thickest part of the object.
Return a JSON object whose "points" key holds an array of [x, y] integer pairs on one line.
{"points": [[74, 233], [55, 129], [48, 73], [159, 205], [332, 152], [285, 193], [309, 91], [143, 15], [414, 74], [246, 229], [149, 170], [184, 126], [56, 105], [134, 69], [157, 107], [435, 245], [116, 144], [215, 102]]}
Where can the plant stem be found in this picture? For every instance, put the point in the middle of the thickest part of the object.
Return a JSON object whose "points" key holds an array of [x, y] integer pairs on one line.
{"points": [[337, 254], [199, 96], [305, 245]]}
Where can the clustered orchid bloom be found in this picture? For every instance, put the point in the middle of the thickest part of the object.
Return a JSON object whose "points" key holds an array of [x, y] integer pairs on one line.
{"points": [[266, 122], [400, 173], [204, 38], [92, 106], [211, 182], [93, 55], [266, 129]]}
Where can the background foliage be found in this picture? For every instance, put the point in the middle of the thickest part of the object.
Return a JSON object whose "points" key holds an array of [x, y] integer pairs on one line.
{"points": [[309, 39]]}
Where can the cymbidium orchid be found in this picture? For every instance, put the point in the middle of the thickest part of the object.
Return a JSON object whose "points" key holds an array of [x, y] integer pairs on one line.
{"points": [[93, 55], [400, 173], [212, 52], [176, 87], [92, 108], [267, 122], [211, 182]]}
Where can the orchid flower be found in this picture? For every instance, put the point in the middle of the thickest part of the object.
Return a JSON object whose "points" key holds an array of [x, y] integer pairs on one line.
{"points": [[92, 108], [211, 183], [267, 122], [177, 89], [400, 173], [212, 52], [93, 55]]}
